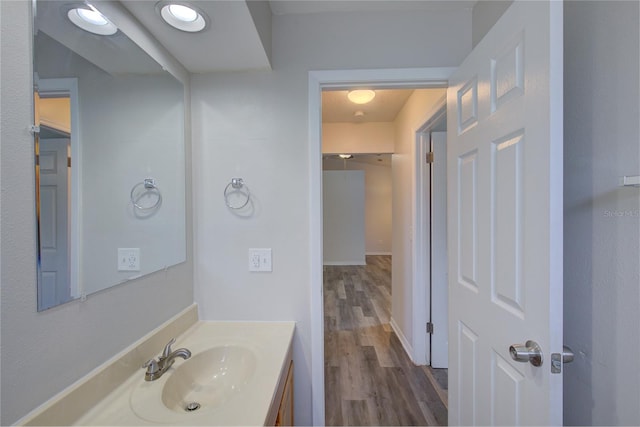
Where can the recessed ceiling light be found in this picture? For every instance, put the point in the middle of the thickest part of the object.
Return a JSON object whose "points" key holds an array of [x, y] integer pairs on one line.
{"points": [[89, 19], [182, 16], [183, 13], [361, 96]]}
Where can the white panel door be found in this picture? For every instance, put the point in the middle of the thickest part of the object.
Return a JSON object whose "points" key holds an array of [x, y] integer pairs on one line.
{"points": [[54, 231], [504, 164], [439, 303]]}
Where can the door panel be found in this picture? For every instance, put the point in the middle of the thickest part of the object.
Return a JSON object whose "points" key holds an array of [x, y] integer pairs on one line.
{"points": [[504, 153], [54, 230], [439, 294]]}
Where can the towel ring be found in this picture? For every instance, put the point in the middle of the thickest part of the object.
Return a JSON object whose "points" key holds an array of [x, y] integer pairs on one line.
{"points": [[150, 186], [237, 184]]}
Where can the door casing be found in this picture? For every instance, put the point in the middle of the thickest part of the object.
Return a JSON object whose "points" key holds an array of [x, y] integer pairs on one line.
{"points": [[434, 77]]}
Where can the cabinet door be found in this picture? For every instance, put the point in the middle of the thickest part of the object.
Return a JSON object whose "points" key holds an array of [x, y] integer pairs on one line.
{"points": [[285, 412]]}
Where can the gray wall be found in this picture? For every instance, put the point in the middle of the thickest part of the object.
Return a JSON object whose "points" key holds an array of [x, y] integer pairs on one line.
{"points": [[42, 353], [343, 238], [485, 13], [602, 220], [377, 200]]}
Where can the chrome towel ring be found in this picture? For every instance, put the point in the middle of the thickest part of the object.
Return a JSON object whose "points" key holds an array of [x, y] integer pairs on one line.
{"points": [[237, 186], [148, 187]]}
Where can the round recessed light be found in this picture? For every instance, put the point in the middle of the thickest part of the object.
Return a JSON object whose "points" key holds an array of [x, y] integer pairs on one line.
{"points": [[182, 16], [361, 96], [92, 17], [183, 13], [89, 19]]}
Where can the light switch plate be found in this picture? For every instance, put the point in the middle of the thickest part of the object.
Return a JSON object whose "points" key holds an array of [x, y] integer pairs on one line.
{"points": [[128, 259]]}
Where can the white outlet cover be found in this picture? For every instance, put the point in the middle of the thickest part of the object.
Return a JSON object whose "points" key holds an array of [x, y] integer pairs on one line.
{"points": [[128, 259], [260, 259]]}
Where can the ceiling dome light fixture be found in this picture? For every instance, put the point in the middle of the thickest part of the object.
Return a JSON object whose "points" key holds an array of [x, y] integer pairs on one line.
{"points": [[89, 19], [183, 16], [361, 96]]}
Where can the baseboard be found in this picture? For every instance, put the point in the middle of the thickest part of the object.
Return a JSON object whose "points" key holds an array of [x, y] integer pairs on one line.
{"points": [[345, 263], [379, 253], [403, 340]]}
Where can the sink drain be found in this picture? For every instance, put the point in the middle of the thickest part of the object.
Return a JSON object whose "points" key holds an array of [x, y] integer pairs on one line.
{"points": [[193, 406]]}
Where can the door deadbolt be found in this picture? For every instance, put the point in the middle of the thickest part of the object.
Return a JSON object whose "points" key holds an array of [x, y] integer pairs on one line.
{"points": [[529, 352]]}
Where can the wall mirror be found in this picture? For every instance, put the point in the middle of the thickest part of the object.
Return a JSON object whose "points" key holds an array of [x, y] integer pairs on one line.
{"points": [[110, 162]]}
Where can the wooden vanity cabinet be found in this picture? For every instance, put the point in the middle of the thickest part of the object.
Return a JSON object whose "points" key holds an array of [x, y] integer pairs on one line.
{"points": [[285, 411], [281, 412]]}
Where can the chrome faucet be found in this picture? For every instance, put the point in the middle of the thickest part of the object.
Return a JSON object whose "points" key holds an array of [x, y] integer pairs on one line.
{"points": [[155, 368]]}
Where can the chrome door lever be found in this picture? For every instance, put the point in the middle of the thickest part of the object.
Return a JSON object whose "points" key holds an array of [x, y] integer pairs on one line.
{"points": [[529, 352]]}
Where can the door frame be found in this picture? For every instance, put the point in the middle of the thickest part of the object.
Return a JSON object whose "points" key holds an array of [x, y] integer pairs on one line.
{"points": [[318, 80], [422, 281]]}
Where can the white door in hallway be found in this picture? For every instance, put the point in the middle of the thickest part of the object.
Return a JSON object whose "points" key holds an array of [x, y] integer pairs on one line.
{"points": [[53, 223], [504, 165], [440, 336]]}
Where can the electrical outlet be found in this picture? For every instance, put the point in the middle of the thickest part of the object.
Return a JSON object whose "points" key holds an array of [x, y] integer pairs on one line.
{"points": [[128, 259], [260, 259]]}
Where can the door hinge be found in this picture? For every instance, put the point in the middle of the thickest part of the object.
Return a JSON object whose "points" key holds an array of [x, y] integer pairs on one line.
{"points": [[429, 157], [429, 328]]}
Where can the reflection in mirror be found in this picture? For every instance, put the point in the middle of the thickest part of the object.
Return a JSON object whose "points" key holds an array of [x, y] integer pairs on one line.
{"points": [[110, 170]]}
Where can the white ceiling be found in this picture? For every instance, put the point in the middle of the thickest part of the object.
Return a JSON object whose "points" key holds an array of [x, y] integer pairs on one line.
{"points": [[334, 162], [239, 35], [337, 108], [286, 7], [231, 42], [115, 54]]}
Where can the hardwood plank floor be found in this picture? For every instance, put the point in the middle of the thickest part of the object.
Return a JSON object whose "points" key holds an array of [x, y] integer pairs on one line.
{"points": [[369, 379]]}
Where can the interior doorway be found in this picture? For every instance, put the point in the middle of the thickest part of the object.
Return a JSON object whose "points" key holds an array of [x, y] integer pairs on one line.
{"points": [[318, 81], [364, 343]]}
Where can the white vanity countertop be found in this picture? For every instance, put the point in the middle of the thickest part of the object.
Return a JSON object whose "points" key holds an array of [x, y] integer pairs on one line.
{"points": [[139, 402]]}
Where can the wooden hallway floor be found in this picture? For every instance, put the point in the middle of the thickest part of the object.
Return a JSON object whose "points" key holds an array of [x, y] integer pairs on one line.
{"points": [[369, 379]]}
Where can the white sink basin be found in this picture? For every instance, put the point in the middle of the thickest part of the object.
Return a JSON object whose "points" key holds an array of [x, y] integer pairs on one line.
{"points": [[233, 375], [209, 379]]}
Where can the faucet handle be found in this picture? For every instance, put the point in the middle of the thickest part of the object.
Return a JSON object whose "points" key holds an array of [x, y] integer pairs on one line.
{"points": [[167, 348], [152, 366]]}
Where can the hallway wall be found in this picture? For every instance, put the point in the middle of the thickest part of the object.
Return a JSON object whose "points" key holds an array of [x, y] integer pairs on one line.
{"points": [[377, 201], [405, 305]]}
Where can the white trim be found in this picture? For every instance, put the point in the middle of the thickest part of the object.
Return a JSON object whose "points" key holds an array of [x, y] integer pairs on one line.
{"points": [[379, 253], [421, 218], [381, 78], [403, 340]]}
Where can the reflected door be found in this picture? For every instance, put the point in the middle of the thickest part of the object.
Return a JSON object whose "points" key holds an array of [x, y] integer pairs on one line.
{"points": [[54, 229]]}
